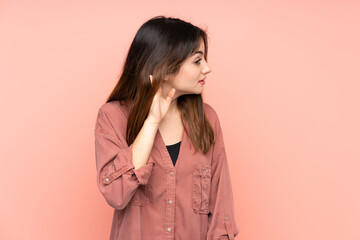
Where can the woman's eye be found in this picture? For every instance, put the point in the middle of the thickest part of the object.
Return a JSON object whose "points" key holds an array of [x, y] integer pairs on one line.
{"points": [[198, 61]]}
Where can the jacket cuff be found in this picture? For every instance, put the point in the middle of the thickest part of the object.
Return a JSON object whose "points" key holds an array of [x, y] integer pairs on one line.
{"points": [[123, 163], [143, 173]]}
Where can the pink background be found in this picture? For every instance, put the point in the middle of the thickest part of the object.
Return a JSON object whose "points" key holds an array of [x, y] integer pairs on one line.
{"points": [[284, 82]]}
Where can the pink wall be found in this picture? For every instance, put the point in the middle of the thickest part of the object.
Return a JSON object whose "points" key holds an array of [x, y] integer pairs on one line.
{"points": [[284, 81]]}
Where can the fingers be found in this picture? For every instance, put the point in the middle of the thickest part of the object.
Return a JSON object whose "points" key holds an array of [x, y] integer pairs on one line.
{"points": [[170, 95]]}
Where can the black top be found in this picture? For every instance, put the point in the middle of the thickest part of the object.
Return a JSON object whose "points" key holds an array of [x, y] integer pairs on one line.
{"points": [[174, 151]]}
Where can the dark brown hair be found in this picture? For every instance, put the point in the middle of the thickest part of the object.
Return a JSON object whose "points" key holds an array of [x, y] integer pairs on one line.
{"points": [[159, 47]]}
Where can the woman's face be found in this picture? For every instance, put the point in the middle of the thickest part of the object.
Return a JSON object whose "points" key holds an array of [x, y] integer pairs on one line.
{"points": [[193, 69]]}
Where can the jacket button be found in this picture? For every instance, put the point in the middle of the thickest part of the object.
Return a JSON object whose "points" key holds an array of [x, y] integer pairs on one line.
{"points": [[171, 173], [226, 218], [170, 202], [168, 229]]}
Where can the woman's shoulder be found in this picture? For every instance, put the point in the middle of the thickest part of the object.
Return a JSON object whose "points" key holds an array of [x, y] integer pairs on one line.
{"points": [[114, 108], [210, 113], [112, 116], [214, 120]]}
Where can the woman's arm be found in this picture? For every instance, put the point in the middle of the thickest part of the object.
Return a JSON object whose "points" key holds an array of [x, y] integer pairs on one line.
{"points": [[122, 168], [143, 143], [221, 222]]}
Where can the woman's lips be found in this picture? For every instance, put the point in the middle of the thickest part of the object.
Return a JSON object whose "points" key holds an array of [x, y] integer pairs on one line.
{"points": [[202, 82]]}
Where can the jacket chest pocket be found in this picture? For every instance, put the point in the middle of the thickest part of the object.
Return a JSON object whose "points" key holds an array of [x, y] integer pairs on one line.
{"points": [[201, 182], [142, 195]]}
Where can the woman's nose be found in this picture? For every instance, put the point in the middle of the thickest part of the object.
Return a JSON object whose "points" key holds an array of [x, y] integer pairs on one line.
{"points": [[206, 69]]}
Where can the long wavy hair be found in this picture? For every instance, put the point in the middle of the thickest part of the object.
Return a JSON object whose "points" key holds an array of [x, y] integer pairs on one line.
{"points": [[160, 47]]}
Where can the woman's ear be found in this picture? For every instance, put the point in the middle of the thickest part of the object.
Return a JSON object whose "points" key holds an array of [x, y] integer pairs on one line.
{"points": [[166, 78]]}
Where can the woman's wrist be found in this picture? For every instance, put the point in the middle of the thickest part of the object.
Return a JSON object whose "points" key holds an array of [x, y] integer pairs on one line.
{"points": [[151, 123]]}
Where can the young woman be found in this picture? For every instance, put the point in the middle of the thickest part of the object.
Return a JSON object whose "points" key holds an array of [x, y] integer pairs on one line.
{"points": [[160, 155]]}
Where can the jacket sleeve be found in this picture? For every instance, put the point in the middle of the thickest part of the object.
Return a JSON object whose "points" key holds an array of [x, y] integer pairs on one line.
{"points": [[221, 221], [117, 178]]}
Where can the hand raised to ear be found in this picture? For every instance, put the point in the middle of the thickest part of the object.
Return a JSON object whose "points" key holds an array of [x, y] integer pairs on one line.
{"points": [[160, 105]]}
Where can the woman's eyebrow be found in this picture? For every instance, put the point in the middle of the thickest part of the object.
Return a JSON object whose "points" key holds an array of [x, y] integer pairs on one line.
{"points": [[197, 52]]}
